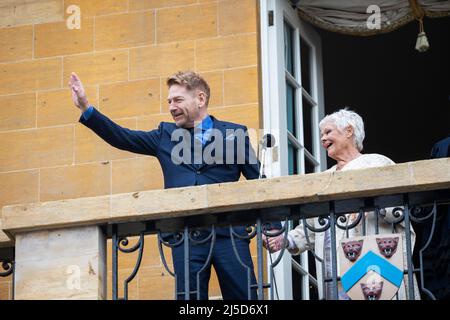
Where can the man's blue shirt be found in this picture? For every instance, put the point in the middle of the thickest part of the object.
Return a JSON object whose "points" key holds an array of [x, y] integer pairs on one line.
{"points": [[202, 131], [87, 113]]}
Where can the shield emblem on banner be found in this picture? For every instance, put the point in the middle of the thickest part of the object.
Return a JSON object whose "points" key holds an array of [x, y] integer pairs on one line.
{"points": [[371, 267]]}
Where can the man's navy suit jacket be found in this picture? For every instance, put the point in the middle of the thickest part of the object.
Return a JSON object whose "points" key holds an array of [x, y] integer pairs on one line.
{"points": [[158, 143]]}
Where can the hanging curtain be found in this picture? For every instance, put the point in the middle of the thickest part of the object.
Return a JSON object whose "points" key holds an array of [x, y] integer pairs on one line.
{"points": [[351, 16]]}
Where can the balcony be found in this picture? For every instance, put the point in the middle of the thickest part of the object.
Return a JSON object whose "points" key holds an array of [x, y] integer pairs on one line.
{"points": [[46, 245]]}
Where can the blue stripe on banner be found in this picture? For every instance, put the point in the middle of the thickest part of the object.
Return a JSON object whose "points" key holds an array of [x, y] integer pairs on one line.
{"points": [[371, 261]]}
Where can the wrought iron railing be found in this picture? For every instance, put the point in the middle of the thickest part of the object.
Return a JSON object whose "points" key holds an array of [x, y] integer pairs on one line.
{"points": [[7, 266], [417, 207]]}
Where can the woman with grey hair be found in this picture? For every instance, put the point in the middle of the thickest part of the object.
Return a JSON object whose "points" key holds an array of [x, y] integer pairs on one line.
{"points": [[342, 135]]}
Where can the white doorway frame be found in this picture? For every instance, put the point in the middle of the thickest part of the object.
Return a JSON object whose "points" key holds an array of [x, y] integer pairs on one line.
{"points": [[274, 14]]}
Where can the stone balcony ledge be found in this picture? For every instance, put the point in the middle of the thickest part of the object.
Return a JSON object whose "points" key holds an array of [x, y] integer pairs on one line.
{"points": [[220, 198]]}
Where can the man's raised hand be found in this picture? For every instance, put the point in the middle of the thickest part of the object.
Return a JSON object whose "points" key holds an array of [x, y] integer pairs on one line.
{"points": [[78, 94]]}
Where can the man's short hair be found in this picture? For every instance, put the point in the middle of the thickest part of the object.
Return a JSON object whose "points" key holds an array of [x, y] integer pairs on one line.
{"points": [[191, 81]]}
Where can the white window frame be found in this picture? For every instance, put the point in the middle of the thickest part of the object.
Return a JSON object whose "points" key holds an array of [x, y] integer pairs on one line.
{"points": [[274, 79]]}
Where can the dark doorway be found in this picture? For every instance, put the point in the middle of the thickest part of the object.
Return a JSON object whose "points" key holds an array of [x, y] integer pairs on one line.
{"points": [[402, 95]]}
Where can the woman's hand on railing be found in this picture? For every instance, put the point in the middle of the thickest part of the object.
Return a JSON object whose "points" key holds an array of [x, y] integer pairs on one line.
{"points": [[274, 244]]}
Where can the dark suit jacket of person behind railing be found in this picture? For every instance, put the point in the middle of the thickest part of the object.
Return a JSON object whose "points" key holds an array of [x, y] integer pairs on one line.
{"points": [[436, 257]]}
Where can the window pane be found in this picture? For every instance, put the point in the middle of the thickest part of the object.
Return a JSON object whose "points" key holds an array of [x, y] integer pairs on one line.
{"points": [[307, 125], [305, 65], [309, 166], [292, 158], [288, 49], [290, 108]]}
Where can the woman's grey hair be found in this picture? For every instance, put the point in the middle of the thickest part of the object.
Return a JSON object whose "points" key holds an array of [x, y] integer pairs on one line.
{"points": [[344, 118]]}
